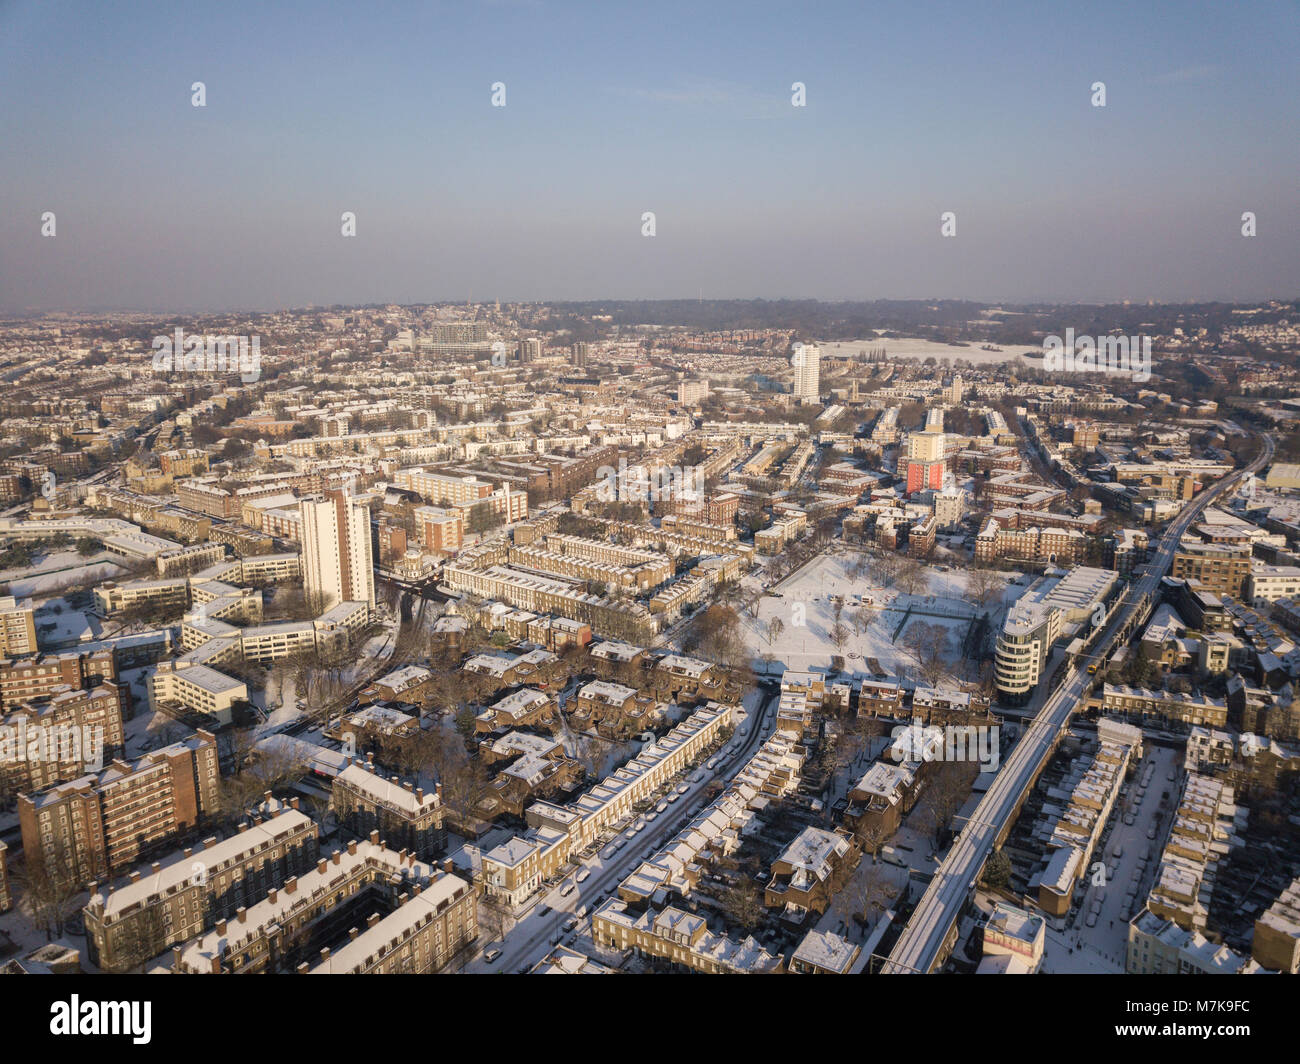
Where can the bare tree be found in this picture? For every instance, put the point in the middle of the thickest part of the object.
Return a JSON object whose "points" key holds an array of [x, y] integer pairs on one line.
{"points": [[948, 788], [52, 884], [839, 635], [983, 585], [743, 903], [775, 627], [912, 577]]}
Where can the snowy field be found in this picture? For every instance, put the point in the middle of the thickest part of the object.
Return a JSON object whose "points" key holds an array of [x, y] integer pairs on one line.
{"points": [[923, 349], [59, 570], [805, 611]]}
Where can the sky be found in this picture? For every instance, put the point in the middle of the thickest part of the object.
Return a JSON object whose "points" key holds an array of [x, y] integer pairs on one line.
{"points": [[616, 109]]}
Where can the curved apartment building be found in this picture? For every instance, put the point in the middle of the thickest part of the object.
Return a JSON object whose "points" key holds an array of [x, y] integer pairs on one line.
{"points": [[1055, 604]]}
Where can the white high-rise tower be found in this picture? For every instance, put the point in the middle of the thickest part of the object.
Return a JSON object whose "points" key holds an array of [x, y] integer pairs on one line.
{"points": [[807, 373], [337, 561]]}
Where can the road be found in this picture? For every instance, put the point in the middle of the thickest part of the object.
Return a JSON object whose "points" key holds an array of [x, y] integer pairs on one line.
{"points": [[529, 940], [921, 944]]}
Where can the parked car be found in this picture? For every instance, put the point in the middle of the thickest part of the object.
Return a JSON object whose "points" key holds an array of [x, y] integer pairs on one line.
{"points": [[582, 876], [491, 956]]}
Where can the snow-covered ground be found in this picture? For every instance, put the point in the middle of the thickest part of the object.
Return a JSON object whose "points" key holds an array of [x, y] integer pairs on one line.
{"points": [[803, 605], [58, 571], [59, 625], [923, 349]]}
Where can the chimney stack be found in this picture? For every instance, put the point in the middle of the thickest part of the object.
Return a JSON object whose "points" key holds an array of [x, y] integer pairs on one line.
{"points": [[352, 847], [241, 914], [221, 927]]}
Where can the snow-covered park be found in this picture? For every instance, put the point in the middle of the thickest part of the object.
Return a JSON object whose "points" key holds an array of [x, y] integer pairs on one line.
{"points": [[803, 609]]}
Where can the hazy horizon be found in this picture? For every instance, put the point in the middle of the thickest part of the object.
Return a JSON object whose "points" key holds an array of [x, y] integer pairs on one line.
{"points": [[311, 111]]}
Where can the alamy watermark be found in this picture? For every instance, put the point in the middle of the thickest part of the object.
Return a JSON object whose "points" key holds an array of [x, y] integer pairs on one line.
{"points": [[179, 353], [1105, 354], [639, 483], [57, 744], [952, 742]]}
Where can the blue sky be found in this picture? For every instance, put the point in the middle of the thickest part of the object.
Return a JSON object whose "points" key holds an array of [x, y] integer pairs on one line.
{"points": [[615, 109]]}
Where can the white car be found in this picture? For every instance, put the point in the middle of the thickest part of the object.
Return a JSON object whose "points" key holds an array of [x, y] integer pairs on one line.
{"points": [[582, 876]]}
